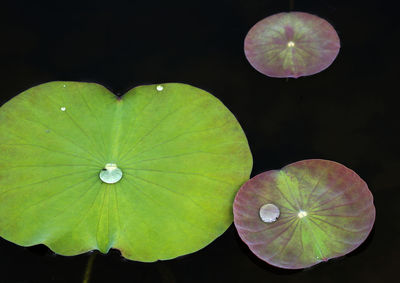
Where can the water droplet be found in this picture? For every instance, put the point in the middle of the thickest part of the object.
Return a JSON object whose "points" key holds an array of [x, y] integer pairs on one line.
{"points": [[290, 44], [63, 108], [111, 173], [302, 214], [160, 87], [269, 213], [64, 86]]}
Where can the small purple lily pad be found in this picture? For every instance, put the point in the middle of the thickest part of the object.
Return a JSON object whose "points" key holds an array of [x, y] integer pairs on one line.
{"points": [[291, 44], [325, 211]]}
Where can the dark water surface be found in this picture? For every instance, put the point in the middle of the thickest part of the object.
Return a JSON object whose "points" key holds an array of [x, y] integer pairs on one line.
{"points": [[347, 113]]}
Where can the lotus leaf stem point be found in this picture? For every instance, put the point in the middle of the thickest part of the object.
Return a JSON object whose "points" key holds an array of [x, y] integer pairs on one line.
{"points": [[302, 214], [290, 44]]}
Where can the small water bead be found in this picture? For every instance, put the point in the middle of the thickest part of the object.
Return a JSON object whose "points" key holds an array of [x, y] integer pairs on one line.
{"points": [[269, 213], [160, 87], [111, 173], [63, 108]]}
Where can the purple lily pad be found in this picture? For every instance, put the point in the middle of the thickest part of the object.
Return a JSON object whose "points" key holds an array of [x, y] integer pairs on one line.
{"points": [[291, 44], [325, 211]]}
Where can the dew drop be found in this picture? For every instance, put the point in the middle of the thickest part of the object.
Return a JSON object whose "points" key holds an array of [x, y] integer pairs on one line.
{"points": [[64, 86], [160, 87], [269, 213], [63, 108], [111, 173]]}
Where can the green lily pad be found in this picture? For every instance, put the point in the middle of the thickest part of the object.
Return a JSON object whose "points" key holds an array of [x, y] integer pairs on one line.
{"points": [[307, 212], [152, 173]]}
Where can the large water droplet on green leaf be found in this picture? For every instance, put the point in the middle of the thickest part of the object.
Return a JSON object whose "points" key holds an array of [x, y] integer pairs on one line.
{"points": [[111, 173]]}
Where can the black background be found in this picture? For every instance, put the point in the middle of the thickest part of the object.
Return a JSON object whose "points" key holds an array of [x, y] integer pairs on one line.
{"points": [[347, 113]]}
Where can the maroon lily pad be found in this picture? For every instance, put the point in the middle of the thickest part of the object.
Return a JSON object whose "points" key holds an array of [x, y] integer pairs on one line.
{"points": [[291, 44], [325, 210]]}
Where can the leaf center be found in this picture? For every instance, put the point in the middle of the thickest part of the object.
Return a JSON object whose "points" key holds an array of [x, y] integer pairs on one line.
{"points": [[302, 214]]}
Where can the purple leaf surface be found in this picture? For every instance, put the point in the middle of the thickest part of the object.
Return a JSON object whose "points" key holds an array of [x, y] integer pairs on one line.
{"points": [[325, 211], [291, 44]]}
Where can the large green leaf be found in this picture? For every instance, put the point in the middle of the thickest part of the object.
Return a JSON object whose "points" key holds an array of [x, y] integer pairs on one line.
{"points": [[182, 155], [305, 213]]}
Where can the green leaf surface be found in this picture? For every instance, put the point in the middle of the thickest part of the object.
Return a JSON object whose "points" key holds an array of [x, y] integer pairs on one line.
{"points": [[326, 211], [181, 153]]}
